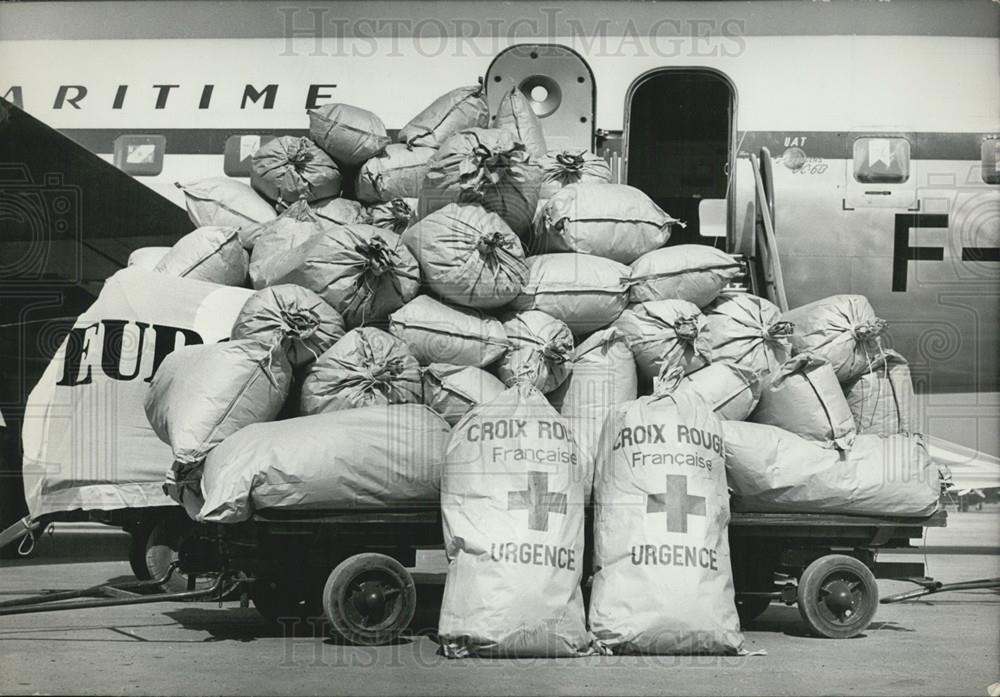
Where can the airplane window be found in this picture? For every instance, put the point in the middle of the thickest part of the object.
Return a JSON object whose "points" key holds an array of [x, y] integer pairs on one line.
{"points": [[881, 160], [140, 155], [239, 152], [990, 153]]}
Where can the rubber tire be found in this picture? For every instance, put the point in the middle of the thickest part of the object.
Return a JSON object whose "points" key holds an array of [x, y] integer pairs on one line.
{"points": [[338, 585], [278, 604], [161, 548], [137, 553], [751, 608], [810, 602]]}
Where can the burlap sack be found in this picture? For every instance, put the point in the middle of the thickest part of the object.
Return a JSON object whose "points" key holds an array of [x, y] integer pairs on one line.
{"points": [[541, 351], [296, 225], [804, 397], [454, 111], [366, 367], [452, 390], [514, 113], [666, 332], [435, 332], [485, 166], [340, 211], [202, 394], [290, 168], [584, 291], [882, 400], [567, 167], [363, 272], [693, 272], [397, 172], [213, 254], [730, 389], [224, 202], [291, 314], [346, 133], [603, 377], [663, 582], [146, 258], [468, 255], [396, 215], [615, 221], [512, 500], [771, 470], [369, 458], [843, 329], [748, 330]]}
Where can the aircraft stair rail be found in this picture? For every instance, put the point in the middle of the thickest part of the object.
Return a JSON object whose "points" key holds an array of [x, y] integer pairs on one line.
{"points": [[766, 278]]}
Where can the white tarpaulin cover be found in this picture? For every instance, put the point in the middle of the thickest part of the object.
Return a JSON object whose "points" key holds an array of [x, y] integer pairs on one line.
{"points": [[87, 442]]}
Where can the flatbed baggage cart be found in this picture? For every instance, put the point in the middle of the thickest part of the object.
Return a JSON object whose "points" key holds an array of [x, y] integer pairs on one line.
{"points": [[354, 568]]}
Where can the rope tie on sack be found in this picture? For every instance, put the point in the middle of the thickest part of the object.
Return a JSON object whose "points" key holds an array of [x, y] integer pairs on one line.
{"points": [[686, 329], [301, 154], [779, 330], [571, 162], [869, 337], [490, 243], [668, 379]]}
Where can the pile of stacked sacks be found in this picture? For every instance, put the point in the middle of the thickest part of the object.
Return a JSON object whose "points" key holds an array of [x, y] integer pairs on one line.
{"points": [[493, 328]]}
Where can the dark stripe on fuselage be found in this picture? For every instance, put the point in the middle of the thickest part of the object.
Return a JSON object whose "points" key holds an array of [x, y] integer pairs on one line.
{"points": [[822, 144], [523, 21]]}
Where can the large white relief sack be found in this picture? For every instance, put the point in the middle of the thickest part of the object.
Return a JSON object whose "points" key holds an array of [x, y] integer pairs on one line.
{"points": [[87, 441], [512, 500], [663, 580], [514, 113], [290, 168]]}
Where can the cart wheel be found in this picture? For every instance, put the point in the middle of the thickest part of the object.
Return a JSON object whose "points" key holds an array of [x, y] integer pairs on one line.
{"points": [[369, 599], [278, 602], [837, 596], [137, 553], [161, 551], [750, 608]]}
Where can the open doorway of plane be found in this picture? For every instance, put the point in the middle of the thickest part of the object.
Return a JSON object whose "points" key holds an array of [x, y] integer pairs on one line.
{"points": [[678, 147]]}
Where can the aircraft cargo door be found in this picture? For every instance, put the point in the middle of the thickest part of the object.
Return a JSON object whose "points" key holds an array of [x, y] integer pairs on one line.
{"points": [[678, 148]]}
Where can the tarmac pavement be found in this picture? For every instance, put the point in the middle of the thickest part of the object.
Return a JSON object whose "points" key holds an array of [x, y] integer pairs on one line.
{"points": [[941, 645]]}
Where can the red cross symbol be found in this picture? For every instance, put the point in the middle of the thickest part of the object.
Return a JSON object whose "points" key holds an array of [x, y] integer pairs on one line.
{"points": [[537, 500], [677, 503]]}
